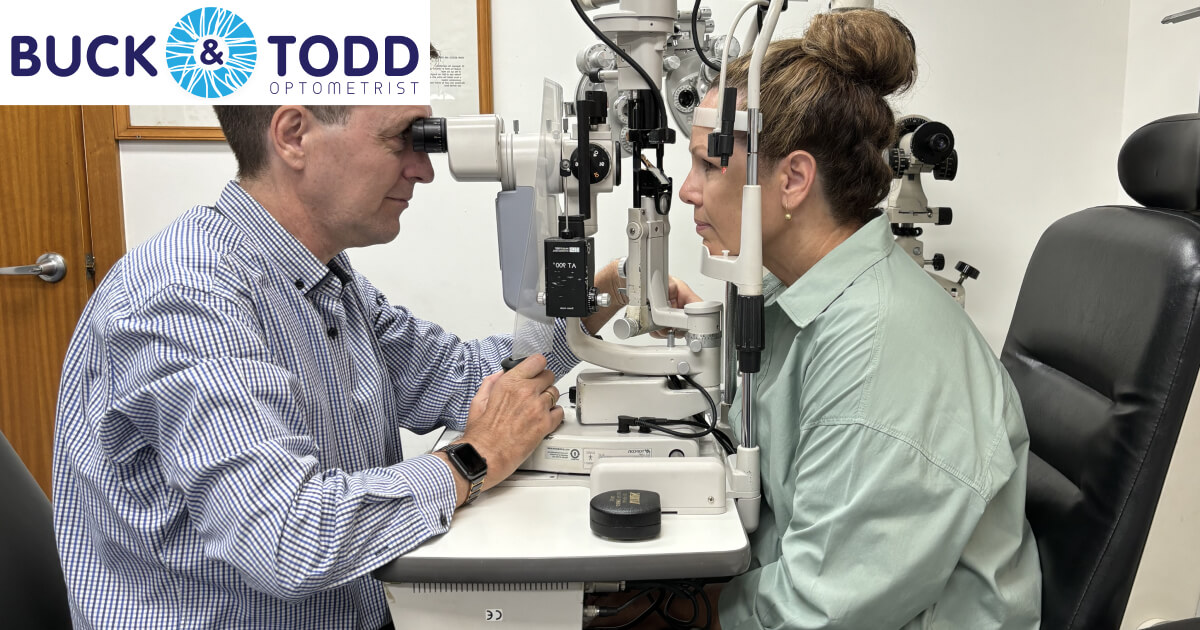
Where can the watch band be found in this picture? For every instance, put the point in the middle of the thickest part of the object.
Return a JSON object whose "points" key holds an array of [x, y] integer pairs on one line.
{"points": [[470, 464]]}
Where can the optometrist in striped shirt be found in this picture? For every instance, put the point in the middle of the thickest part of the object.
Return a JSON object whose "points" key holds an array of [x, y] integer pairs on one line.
{"points": [[227, 449]]}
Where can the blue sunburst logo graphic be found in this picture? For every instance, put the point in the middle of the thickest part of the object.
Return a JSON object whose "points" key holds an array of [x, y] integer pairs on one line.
{"points": [[211, 52]]}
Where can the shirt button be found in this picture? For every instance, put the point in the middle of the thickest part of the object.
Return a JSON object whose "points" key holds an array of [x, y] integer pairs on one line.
{"points": [[442, 518], [332, 332], [299, 284]]}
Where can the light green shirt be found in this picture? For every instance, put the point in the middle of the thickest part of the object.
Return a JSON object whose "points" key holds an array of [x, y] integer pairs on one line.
{"points": [[894, 456]]}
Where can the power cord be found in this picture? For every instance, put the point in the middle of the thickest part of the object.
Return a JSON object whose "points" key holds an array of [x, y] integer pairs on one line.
{"points": [[646, 424], [661, 595], [696, 39]]}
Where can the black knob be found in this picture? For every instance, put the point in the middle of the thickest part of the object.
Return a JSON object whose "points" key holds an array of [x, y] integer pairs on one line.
{"points": [[967, 271], [947, 169], [939, 262], [564, 168], [945, 216], [601, 163], [572, 393], [932, 142], [898, 161]]}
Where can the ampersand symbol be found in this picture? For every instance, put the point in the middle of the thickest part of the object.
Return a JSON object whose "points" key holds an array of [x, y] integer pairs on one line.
{"points": [[210, 55]]}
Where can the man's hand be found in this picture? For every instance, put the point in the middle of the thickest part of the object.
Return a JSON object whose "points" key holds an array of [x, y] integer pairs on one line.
{"points": [[510, 415], [678, 294], [609, 281]]}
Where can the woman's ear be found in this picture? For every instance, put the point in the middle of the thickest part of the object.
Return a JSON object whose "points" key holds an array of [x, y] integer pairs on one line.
{"points": [[286, 134], [798, 171]]}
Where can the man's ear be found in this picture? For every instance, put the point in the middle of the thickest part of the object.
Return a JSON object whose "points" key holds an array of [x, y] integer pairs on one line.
{"points": [[798, 171], [285, 136]]}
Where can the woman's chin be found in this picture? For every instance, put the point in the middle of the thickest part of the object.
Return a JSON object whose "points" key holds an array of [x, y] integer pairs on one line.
{"points": [[717, 249]]}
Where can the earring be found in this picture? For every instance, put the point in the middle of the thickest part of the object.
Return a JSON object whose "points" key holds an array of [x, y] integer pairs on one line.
{"points": [[787, 216]]}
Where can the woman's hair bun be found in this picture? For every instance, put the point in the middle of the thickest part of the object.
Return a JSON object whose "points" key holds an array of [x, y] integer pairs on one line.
{"points": [[865, 45]]}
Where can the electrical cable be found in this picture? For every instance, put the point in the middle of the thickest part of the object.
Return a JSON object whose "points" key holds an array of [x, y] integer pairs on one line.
{"points": [[696, 39], [658, 99], [661, 594], [712, 406], [696, 421]]}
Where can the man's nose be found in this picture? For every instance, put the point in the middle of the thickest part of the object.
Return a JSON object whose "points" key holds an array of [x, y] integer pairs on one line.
{"points": [[419, 169]]}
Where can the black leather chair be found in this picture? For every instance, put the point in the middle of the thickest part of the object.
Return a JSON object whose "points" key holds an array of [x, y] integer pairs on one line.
{"points": [[32, 591], [1104, 348]]}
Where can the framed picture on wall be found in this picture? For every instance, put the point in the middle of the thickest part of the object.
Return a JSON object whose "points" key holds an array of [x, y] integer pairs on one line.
{"points": [[461, 78], [166, 122]]}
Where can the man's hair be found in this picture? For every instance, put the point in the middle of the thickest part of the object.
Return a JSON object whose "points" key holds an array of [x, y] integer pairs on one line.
{"points": [[245, 129]]}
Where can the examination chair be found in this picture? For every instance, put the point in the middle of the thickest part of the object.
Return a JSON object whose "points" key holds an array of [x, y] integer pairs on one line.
{"points": [[1104, 348], [33, 593]]}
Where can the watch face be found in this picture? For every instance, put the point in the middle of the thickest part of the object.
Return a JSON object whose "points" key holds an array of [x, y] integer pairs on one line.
{"points": [[473, 464]]}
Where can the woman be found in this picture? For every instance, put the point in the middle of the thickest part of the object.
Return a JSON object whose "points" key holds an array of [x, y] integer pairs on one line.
{"points": [[894, 450]]}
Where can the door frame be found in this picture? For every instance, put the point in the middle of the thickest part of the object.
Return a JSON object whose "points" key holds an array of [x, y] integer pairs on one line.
{"points": [[103, 214]]}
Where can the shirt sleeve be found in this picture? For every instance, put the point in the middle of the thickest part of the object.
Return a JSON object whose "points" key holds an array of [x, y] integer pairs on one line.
{"points": [[871, 547], [435, 374], [193, 374]]}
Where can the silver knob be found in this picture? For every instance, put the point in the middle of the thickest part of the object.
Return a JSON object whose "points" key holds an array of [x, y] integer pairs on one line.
{"points": [[541, 298], [695, 345], [625, 328], [621, 273], [602, 300], [50, 267], [671, 63]]}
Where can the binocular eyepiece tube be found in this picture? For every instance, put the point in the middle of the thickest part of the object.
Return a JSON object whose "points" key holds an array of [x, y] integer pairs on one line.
{"points": [[429, 135]]}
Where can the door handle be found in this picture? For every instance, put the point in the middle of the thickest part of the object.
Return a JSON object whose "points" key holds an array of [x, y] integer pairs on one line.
{"points": [[49, 267]]}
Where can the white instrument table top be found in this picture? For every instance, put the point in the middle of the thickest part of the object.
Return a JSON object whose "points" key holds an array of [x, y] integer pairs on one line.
{"points": [[541, 533]]}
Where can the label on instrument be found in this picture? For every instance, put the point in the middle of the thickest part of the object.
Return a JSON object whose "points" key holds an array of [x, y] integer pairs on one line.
{"points": [[593, 455]]}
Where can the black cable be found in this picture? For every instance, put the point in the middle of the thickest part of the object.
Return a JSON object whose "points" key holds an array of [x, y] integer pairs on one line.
{"points": [[650, 608], [712, 406], [661, 425], [658, 99], [696, 39], [726, 442]]}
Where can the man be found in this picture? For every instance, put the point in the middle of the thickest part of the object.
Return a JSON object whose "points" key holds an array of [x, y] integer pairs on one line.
{"points": [[227, 450]]}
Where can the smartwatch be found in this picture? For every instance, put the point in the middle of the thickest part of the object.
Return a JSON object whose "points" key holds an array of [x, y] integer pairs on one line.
{"points": [[470, 464]]}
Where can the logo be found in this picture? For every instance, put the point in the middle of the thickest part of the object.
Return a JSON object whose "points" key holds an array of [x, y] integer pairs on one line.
{"points": [[211, 52]]}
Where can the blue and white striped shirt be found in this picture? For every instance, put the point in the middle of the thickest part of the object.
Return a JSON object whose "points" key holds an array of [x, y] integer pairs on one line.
{"points": [[227, 450]]}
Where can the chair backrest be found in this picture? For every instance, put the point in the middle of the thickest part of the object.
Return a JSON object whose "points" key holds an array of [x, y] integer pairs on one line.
{"points": [[33, 593], [1104, 348]]}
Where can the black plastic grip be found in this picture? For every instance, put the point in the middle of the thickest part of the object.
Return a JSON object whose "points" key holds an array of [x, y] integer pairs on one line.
{"points": [[510, 363], [751, 336]]}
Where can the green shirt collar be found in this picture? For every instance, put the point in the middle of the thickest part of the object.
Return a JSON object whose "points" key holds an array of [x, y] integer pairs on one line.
{"points": [[813, 292]]}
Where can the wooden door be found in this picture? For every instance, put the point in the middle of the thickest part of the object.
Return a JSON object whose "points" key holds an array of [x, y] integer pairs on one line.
{"points": [[58, 179]]}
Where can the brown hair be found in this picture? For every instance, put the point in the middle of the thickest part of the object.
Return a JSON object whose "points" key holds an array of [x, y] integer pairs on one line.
{"points": [[824, 93], [245, 128]]}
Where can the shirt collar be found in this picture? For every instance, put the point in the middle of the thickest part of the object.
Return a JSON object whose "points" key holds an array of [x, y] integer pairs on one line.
{"points": [[300, 266], [814, 291]]}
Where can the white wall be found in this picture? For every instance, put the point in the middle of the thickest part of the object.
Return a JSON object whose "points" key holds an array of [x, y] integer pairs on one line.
{"points": [[1032, 90]]}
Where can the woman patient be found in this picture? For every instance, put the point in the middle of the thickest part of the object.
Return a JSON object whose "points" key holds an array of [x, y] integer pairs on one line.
{"points": [[894, 449]]}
